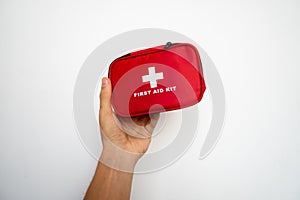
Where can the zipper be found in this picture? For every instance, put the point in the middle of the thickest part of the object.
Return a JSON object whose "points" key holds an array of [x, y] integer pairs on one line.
{"points": [[168, 45], [124, 55]]}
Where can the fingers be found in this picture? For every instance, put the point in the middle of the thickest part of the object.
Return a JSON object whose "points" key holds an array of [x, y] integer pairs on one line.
{"points": [[154, 117], [105, 99], [153, 121]]}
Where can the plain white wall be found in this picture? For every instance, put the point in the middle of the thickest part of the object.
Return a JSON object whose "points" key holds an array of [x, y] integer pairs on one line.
{"points": [[254, 44]]}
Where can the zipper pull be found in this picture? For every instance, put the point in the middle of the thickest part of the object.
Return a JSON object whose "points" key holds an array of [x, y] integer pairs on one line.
{"points": [[167, 46]]}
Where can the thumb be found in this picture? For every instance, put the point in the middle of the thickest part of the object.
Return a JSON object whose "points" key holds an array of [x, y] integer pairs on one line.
{"points": [[105, 98]]}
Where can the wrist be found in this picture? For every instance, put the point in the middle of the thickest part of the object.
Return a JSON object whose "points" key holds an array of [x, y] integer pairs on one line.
{"points": [[119, 159]]}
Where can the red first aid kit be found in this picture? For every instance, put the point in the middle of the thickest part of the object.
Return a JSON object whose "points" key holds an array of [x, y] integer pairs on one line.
{"points": [[157, 79]]}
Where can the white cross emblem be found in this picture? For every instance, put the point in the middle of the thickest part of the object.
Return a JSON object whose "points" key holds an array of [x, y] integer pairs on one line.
{"points": [[152, 77]]}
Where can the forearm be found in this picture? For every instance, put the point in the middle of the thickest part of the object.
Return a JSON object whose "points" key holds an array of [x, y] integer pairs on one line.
{"points": [[109, 184]]}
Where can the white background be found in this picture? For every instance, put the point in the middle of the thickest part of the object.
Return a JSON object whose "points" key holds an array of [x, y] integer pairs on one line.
{"points": [[254, 44]]}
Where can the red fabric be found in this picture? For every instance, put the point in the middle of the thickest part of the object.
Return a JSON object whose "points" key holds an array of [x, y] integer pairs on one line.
{"points": [[176, 74]]}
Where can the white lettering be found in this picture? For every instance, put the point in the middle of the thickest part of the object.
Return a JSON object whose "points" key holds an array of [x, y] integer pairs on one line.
{"points": [[154, 91], [170, 89]]}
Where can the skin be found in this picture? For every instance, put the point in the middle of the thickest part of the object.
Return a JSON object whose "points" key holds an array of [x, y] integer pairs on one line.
{"points": [[125, 140]]}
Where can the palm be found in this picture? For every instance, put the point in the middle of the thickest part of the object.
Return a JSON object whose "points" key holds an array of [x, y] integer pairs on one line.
{"points": [[132, 134], [136, 131]]}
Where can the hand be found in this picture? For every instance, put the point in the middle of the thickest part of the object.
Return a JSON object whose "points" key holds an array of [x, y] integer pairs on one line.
{"points": [[122, 137], [124, 140]]}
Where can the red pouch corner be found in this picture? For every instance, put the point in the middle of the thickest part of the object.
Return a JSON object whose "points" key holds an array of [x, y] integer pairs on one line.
{"points": [[157, 79]]}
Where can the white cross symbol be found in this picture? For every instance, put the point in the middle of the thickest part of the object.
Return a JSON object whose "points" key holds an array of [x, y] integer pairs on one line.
{"points": [[152, 77]]}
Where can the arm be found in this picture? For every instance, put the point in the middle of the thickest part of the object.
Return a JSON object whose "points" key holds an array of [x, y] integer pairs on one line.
{"points": [[109, 183], [124, 140]]}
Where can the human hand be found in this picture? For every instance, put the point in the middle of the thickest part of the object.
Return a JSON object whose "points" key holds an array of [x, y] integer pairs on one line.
{"points": [[124, 139]]}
